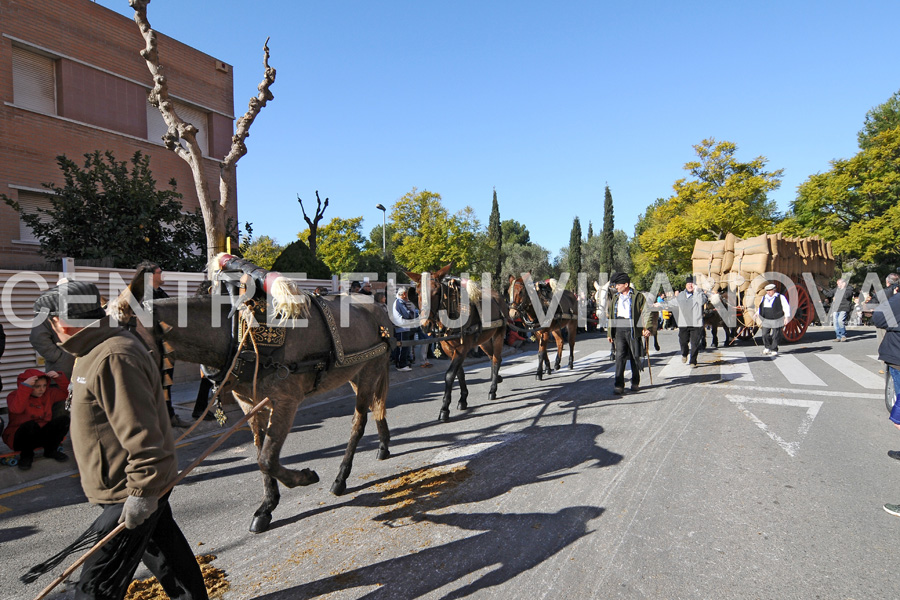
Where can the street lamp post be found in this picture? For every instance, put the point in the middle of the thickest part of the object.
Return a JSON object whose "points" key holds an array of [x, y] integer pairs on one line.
{"points": [[383, 228]]}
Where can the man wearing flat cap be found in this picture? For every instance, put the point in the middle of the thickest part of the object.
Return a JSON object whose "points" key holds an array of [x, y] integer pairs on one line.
{"points": [[122, 439], [629, 322], [688, 309], [773, 314]]}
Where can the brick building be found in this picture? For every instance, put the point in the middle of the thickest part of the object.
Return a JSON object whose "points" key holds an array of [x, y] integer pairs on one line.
{"points": [[71, 82]]}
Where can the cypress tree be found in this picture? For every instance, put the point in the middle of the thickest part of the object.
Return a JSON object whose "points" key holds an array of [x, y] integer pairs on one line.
{"points": [[574, 253], [495, 242], [607, 241], [590, 230]]}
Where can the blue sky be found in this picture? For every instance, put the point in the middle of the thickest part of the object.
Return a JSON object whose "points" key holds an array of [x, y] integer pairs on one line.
{"points": [[545, 101]]}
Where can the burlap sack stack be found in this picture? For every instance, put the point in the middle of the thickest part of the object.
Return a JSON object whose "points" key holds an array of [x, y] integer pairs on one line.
{"points": [[737, 264]]}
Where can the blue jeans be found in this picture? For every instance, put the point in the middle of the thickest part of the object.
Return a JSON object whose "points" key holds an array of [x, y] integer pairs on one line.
{"points": [[895, 375], [840, 318]]}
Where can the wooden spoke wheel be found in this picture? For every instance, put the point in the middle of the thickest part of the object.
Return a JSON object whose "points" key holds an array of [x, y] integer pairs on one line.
{"points": [[803, 316]]}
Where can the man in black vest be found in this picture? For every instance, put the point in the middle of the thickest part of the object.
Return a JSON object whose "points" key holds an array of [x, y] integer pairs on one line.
{"points": [[773, 314]]}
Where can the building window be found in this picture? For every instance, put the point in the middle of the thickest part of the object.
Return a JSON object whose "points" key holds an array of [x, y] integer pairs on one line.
{"points": [[30, 202], [156, 125], [34, 81]]}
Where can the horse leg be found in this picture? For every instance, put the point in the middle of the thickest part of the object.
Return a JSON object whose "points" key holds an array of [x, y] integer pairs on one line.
{"points": [[559, 348], [379, 412], [542, 350], [270, 444], [263, 515], [496, 360], [449, 378], [573, 330], [463, 390], [356, 432]]}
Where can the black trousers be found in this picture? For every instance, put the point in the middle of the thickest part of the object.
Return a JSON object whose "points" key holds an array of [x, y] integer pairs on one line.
{"points": [[771, 336], [623, 354], [157, 541], [30, 435], [690, 335], [202, 397]]}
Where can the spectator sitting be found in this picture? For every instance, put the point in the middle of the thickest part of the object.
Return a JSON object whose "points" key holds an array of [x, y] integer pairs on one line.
{"points": [[366, 287], [31, 421], [514, 339], [355, 287]]}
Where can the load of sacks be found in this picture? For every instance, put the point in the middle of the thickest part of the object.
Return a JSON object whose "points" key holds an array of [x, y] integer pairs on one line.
{"points": [[738, 265]]}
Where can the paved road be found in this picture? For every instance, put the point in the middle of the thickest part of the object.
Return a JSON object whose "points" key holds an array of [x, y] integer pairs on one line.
{"points": [[747, 477]]}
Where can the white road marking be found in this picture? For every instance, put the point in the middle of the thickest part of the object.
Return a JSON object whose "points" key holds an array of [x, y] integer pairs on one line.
{"points": [[735, 367], [812, 409], [777, 390], [857, 373], [795, 371], [675, 368]]}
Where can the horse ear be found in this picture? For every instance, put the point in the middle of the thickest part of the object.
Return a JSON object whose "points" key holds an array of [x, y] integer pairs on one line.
{"points": [[440, 274], [417, 277], [596, 286]]}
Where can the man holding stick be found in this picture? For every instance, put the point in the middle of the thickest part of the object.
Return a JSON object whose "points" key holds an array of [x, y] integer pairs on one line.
{"points": [[122, 439], [629, 323]]}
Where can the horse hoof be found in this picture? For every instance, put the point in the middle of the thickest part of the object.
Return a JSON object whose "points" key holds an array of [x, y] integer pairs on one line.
{"points": [[260, 523], [338, 487], [499, 379], [492, 395], [383, 454], [462, 405], [444, 416], [539, 377], [309, 477]]}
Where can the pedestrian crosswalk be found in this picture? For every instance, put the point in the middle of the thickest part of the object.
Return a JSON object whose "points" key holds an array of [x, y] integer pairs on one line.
{"points": [[810, 370]]}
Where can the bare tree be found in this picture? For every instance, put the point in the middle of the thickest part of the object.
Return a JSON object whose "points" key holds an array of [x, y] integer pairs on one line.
{"points": [[314, 223], [214, 214]]}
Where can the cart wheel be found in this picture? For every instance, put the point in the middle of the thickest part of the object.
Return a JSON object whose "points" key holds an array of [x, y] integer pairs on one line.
{"points": [[797, 326], [889, 394], [747, 333]]}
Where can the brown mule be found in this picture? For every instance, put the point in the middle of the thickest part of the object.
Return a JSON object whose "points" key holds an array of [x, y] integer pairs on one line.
{"points": [[456, 307], [559, 310]]}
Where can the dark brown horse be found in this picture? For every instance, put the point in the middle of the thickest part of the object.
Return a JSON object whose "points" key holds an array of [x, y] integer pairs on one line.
{"points": [[558, 311], [295, 362], [441, 299]]}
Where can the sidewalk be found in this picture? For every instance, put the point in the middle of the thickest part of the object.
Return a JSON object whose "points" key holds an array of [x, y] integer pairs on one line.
{"points": [[183, 396]]}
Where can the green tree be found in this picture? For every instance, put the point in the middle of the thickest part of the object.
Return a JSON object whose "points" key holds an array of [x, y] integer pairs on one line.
{"points": [[514, 233], [590, 230], [339, 243], [110, 210], [298, 258], [574, 262], [261, 251], [426, 236], [607, 241], [856, 204], [723, 195], [883, 117], [525, 258], [495, 242]]}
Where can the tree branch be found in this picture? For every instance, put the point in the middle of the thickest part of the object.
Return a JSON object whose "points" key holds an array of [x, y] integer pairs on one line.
{"points": [[242, 132]]}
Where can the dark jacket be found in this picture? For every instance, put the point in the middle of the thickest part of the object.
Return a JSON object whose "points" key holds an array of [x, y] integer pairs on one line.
{"points": [[640, 319], [121, 433], [44, 340], [842, 298], [887, 316]]}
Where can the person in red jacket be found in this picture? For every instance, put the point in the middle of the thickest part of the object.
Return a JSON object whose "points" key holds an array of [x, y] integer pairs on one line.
{"points": [[31, 422]]}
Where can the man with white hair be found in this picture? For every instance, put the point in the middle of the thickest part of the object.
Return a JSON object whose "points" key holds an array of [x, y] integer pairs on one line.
{"points": [[399, 314], [773, 314]]}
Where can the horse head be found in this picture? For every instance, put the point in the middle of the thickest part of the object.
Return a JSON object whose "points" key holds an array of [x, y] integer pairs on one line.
{"points": [[519, 301], [431, 298]]}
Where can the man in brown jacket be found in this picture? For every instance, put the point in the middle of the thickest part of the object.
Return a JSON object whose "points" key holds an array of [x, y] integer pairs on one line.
{"points": [[122, 439]]}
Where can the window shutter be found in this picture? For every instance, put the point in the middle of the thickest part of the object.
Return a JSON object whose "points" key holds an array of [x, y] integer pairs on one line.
{"points": [[156, 125], [34, 81], [29, 203]]}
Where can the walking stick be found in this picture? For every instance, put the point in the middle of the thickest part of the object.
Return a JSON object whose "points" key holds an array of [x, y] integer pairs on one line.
{"points": [[262, 403], [649, 370]]}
